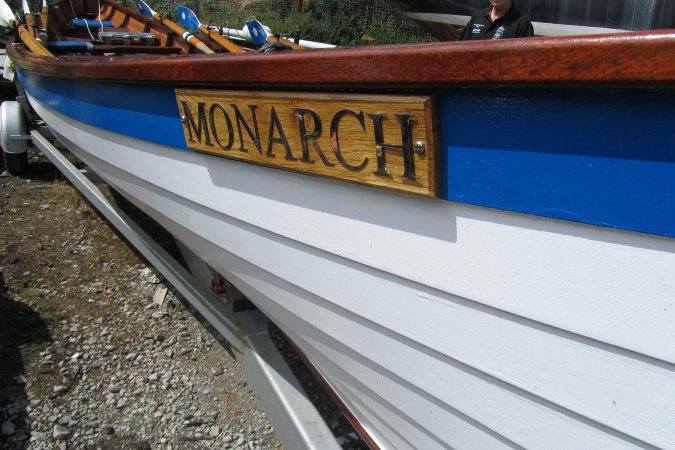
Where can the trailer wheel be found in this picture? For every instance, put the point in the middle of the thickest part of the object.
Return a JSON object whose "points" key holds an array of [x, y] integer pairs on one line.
{"points": [[16, 163], [13, 125]]}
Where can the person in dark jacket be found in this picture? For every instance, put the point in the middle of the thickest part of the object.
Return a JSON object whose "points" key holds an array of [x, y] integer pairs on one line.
{"points": [[500, 21]]}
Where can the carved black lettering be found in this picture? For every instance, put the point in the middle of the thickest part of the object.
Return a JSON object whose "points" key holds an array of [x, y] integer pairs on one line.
{"points": [[334, 140], [313, 136], [239, 117], [198, 127], [214, 130], [406, 147], [276, 124]]}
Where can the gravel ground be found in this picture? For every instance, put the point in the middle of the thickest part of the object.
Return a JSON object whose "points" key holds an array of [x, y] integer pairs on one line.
{"points": [[139, 375], [98, 351], [105, 354]]}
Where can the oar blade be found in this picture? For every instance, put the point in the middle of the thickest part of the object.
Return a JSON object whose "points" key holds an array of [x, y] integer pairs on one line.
{"points": [[256, 31], [187, 18], [145, 9]]}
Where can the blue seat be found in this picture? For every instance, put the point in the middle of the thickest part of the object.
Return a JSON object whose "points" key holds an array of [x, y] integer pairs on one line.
{"points": [[92, 23], [70, 45]]}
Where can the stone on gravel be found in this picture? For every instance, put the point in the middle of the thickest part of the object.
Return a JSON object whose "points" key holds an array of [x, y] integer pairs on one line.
{"points": [[159, 314], [60, 433], [159, 296]]}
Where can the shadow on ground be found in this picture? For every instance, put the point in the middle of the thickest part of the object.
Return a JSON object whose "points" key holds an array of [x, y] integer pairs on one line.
{"points": [[22, 332]]}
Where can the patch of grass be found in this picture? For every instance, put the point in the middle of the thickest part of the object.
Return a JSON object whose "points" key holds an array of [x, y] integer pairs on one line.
{"points": [[118, 339], [340, 22], [32, 293], [63, 193], [47, 311]]}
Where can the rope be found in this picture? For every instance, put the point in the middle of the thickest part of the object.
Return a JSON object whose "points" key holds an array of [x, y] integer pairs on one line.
{"points": [[87, 22], [99, 15], [75, 16]]}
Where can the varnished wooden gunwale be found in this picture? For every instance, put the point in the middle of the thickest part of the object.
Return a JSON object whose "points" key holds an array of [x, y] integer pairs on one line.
{"points": [[640, 59]]}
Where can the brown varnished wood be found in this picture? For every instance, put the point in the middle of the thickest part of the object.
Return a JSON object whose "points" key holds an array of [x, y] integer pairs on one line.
{"points": [[44, 14], [167, 35], [639, 59], [180, 31], [123, 17], [30, 23], [349, 155], [221, 40], [284, 41], [61, 15], [646, 59], [28, 38], [121, 49]]}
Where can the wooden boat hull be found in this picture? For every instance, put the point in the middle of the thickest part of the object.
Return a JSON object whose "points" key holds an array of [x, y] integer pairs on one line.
{"points": [[509, 284], [440, 323]]}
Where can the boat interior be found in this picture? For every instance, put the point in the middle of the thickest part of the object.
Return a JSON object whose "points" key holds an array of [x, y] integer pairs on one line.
{"points": [[108, 28]]}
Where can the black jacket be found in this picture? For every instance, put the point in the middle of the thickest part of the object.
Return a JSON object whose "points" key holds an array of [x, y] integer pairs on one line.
{"points": [[512, 25]]}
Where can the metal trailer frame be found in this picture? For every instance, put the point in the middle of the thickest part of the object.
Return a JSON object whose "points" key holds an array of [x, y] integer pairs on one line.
{"points": [[296, 421]]}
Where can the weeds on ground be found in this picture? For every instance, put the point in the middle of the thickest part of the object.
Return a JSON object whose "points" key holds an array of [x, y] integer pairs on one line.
{"points": [[63, 193]]}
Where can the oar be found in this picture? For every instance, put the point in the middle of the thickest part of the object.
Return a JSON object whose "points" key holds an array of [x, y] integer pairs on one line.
{"points": [[42, 28], [257, 33], [7, 19], [256, 28], [232, 33], [43, 16], [26, 12], [187, 18], [189, 37], [39, 29]]}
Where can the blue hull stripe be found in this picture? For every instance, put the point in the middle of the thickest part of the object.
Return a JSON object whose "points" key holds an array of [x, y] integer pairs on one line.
{"points": [[143, 111], [594, 156], [599, 157]]}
